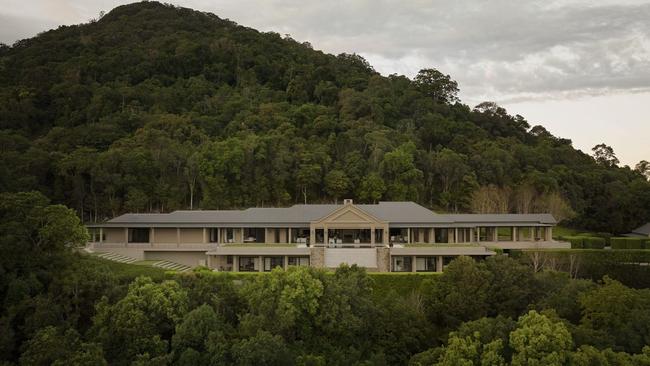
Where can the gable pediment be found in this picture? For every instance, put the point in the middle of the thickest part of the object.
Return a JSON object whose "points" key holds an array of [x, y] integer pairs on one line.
{"points": [[349, 214]]}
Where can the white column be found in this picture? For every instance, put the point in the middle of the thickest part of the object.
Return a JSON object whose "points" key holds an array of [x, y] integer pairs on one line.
{"points": [[260, 262], [152, 236], [372, 235], [413, 264], [101, 235], [408, 235], [126, 236], [456, 235], [515, 234], [285, 263], [205, 235], [178, 236], [235, 263], [325, 234]]}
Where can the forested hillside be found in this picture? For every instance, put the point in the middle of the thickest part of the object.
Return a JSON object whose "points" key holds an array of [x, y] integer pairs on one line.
{"points": [[156, 108]]}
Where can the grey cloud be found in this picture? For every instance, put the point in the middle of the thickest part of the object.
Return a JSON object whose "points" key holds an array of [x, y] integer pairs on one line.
{"points": [[499, 49]]}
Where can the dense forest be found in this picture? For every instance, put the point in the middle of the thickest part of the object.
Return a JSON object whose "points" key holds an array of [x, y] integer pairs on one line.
{"points": [[154, 108], [63, 308]]}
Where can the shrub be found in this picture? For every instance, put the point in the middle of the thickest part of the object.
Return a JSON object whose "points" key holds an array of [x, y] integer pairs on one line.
{"points": [[593, 242], [618, 243], [577, 242]]}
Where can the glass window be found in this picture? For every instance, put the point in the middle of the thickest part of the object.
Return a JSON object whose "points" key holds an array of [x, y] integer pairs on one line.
{"points": [[523, 233], [425, 264], [247, 264], [402, 264], [271, 262], [299, 261], [442, 235], [504, 233], [139, 235], [214, 235]]}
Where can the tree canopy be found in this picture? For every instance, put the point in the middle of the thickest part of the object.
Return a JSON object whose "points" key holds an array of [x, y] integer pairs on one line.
{"points": [[153, 108]]}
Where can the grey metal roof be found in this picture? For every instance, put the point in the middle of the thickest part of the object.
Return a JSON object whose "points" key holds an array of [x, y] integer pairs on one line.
{"points": [[504, 218], [398, 213], [642, 230]]}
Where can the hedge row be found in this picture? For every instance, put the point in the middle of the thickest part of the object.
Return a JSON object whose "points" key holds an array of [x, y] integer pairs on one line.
{"points": [[586, 242], [630, 243]]}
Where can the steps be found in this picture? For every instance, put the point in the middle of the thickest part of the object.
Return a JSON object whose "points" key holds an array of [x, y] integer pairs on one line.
{"points": [[171, 266], [167, 265], [116, 257]]}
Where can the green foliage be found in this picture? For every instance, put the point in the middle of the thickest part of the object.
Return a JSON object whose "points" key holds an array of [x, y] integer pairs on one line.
{"points": [[262, 349], [142, 323], [630, 243], [157, 108], [459, 294], [586, 242], [617, 315], [539, 340]]}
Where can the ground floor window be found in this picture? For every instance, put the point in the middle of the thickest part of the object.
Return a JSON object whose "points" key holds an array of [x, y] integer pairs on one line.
{"points": [[139, 235], [447, 260], [271, 262], [402, 264], [425, 264], [247, 264], [299, 261]]}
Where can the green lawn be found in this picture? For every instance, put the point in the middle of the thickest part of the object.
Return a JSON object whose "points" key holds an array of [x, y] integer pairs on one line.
{"points": [[125, 271], [566, 231]]}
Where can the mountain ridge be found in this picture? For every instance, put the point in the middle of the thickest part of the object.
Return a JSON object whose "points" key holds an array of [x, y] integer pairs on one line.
{"points": [[155, 107]]}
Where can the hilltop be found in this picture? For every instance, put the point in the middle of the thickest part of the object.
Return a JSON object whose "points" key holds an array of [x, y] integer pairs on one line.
{"points": [[155, 108]]}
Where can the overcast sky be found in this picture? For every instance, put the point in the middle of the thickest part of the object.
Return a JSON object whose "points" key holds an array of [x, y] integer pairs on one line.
{"points": [[580, 68]]}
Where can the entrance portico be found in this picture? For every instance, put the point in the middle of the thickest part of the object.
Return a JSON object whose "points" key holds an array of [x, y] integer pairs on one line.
{"points": [[349, 226]]}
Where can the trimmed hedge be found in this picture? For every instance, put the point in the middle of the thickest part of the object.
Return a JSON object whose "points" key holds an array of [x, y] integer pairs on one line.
{"points": [[577, 242], [594, 242], [586, 242], [630, 243]]}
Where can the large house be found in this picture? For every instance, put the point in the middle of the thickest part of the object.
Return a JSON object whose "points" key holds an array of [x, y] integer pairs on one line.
{"points": [[388, 236]]}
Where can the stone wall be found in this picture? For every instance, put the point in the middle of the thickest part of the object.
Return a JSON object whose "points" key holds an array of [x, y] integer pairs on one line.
{"points": [[383, 259], [317, 257]]}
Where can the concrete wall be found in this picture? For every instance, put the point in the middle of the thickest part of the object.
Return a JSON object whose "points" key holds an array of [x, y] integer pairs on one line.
{"points": [[114, 235], [187, 258], [363, 257], [193, 236], [165, 235]]}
